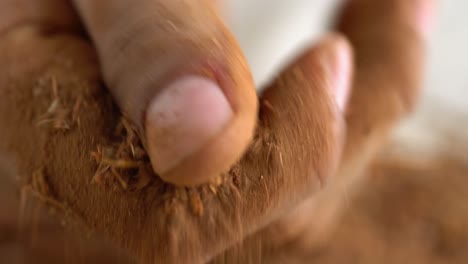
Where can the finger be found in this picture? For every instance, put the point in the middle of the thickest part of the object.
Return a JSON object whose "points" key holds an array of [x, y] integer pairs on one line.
{"points": [[333, 53], [179, 75], [297, 145], [296, 148], [309, 97], [389, 42]]}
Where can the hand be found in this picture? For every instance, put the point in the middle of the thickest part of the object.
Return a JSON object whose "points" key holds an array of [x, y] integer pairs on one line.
{"points": [[298, 136]]}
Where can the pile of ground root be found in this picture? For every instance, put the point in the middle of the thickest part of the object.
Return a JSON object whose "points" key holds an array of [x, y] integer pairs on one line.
{"points": [[408, 212]]}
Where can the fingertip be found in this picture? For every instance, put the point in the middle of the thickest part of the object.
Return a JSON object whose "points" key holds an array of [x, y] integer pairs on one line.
{"points": [[181, 121], [213, 159], [198, 127], [425, 16], [341, 63], [336, 56]]}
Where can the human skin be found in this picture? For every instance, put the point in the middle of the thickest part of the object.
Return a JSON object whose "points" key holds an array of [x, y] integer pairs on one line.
{"points": [[298, 136]]}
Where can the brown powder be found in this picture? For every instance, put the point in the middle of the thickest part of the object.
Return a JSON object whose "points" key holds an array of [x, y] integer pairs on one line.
{"points": [[96, 170]]}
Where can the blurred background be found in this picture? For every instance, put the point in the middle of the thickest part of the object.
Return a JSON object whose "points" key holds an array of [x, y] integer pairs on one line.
{"points": [[273, 31]]}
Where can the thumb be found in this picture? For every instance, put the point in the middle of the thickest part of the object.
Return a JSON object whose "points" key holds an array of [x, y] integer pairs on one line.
{"points": [[179, 76]]}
